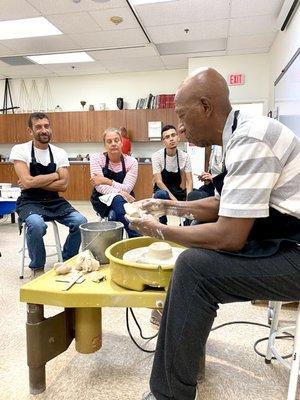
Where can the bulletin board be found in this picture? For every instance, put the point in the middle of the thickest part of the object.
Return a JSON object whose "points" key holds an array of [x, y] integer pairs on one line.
{"points": [[287, 95]]}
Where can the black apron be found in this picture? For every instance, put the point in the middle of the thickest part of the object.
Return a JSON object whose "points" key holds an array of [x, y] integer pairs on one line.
{"points": [[119, 177], [172, 180], [268, 235], [43, 202]]}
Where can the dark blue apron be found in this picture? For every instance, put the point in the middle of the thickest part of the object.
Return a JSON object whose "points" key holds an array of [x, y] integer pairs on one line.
{"points": [[101, 208], [43, 202], [172, 180]]}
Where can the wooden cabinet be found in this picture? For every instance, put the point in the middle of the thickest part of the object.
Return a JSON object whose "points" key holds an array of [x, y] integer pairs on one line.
{"points": [[79, 187], [99, 125], [7, 173], [171, 117], [87, 126], [137, 125], [8, 128], [21, 125], [144, 188], [60, 125]]}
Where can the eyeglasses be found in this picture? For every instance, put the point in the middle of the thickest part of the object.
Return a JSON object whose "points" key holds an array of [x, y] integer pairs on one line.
{"points": [[171, 135]]}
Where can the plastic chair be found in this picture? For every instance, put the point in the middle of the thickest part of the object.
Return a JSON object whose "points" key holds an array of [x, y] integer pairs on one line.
{"points": [[57, 245], [272, 351]]}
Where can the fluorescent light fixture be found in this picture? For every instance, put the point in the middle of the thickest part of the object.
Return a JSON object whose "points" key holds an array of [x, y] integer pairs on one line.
{"points": [[62, 58], [140, 2], [27, 27]]}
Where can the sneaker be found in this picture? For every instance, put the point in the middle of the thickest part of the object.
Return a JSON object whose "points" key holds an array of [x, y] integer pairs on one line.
{"points": [[35, 272], [155, 318], [148, 395]]}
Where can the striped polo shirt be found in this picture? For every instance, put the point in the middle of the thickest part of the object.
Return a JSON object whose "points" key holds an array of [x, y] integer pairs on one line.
{"points": [[131, 166], [262, 158]]}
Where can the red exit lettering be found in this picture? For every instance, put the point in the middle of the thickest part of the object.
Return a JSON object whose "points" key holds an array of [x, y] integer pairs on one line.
{"points": [[236, 79]]}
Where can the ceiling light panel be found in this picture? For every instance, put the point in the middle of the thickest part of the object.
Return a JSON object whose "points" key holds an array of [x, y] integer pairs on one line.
{"points": [[28, 27], [61, 58]]}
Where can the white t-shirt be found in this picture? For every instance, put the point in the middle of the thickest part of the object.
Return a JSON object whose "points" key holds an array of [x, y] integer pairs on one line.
{"points": [[22, 152], [171, 162]]}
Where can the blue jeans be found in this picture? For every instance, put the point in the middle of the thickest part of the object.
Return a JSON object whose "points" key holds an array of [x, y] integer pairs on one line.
{"points": [[36, 229], [117, 213], [163, 195]]}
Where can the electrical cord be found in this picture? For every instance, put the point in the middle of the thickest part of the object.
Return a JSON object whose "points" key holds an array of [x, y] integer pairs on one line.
{"points": [[140, 330], [285, 336]]}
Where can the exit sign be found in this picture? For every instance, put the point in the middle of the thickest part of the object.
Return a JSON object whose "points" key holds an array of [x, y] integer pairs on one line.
{"points": [[236, 79]]}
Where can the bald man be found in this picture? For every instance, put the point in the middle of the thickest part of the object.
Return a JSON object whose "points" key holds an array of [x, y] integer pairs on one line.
{"points": [[247, 247]]}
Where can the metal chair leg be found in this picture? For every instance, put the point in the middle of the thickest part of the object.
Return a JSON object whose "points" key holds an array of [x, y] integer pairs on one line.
{"points": [[23, 253], [57, 241], [292, 391], [274, 325]]}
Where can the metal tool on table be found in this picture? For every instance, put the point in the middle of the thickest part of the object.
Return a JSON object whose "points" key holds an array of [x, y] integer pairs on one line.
{"points": [[78, 278]]}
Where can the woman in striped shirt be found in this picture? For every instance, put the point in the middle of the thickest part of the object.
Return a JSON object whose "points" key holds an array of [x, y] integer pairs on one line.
{"points": [[113, 176]]}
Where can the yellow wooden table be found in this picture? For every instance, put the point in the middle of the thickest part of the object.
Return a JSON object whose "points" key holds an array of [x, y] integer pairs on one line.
{"points": [[81, 319]]}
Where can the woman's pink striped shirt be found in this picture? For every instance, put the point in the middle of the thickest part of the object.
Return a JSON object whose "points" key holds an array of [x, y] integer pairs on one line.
{"points": [[131, 166]]}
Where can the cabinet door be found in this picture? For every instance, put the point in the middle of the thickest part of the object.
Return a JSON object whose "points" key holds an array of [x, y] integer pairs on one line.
{"points": [[60, 125], [137, 125], [7, 173], [99, 125], [7, 128], [87, 187], [81, 124], [21, 128], [74, 190], [115, 119], [171, 117], [143, 188], [79, 187]]}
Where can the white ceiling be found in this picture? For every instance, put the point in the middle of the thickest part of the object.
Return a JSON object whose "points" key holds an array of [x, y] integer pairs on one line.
{"points": [[216, 27]]}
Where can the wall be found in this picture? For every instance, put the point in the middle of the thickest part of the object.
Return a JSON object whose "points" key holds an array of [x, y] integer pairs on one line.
{"points": [[282, 50], [104, 88], [256, 70]]}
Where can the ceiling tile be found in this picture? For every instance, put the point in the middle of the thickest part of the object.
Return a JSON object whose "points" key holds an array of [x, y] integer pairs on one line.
{"points": [[250, 41], [191, 46], [5, 51], [134, 64], [174, 33], [79, 22], [47, 7], [248, 51], [175, 61], [250, 25], [23, 71], [182, 11], [80, 69], [46, 44], [242, 8], [108, 39], [103, 19], [145, 51], [17, 9]]}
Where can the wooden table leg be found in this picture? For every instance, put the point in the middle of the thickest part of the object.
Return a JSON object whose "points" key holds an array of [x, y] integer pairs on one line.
{"points": [[37, 375]]}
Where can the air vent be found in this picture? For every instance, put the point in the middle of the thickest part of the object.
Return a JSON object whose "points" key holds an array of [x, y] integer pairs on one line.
{"points": [[16, 60]]}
